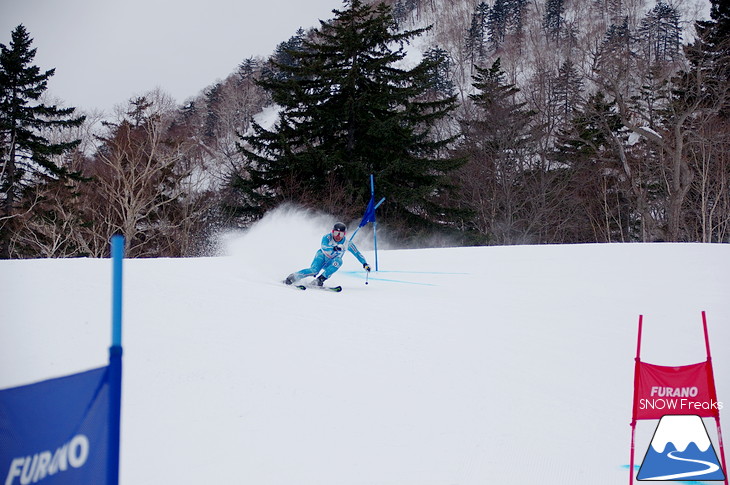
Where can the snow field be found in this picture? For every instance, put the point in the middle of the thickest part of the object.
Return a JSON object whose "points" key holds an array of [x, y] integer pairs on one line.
{"points": [[509, 365]]}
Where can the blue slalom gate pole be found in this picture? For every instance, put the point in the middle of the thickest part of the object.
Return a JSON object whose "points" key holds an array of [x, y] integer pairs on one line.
{"points": [[375, 234], [115, 363], [375, 223], [369, 216], [117, 258]]}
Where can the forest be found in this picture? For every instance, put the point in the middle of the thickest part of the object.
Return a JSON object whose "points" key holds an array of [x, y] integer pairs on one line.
{"points": [[488, 123]]}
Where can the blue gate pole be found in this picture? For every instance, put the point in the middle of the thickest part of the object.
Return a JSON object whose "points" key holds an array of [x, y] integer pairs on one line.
{"points": [[115, 363], [375, 222]]}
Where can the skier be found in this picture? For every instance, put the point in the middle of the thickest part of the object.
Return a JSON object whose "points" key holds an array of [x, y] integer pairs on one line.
{"points": [[328, 258]]}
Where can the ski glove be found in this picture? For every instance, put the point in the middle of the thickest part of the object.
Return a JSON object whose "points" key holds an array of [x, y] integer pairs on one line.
{"points": [[337, 248], [366, 267]]}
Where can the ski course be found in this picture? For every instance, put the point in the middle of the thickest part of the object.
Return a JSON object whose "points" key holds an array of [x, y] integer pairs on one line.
{"points": [[510, 365]]}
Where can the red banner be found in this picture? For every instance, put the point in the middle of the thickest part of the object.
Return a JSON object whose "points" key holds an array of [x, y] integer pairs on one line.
{"points": [[688, 389]]}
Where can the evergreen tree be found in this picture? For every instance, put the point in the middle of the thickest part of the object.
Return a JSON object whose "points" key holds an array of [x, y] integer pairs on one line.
{"points": [[27, 157], [616, 55], [553, 20], [285, 56], [709, 74], [497, 23], [347, 111], [213, 97], [586, 149], [615, 10], [505, 18], [567, 91], [720, 14], [247, 68], [504, 122], [516, 16], [440, 74], [412, 5], [587, 138], [497, 145], [660, 33], [475, 41], [652, 96], [699, 109], [669, 32], [400, 14]]}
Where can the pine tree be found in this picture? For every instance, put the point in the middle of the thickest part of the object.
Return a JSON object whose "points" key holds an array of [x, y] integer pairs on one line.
{"points": [[247, 68], [400, 14], [285, 56], [709, 73], [516, 16], [347, 111], [660, 33], [553, 20], [587, 138], [669, 32], [699, 108], [586, 149], [497, 145], [440, 74], [616, 55], [567, 91], [616, 10], [504, 122], [497, 23], [212, 119], [412, 5], [27, 157], [475, 41]]}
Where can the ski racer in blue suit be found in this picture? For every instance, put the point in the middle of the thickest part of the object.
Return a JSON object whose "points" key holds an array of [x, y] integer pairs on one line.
{"points": [[328, 258]]}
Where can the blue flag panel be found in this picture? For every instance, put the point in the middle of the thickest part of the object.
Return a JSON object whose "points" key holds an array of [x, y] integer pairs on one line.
{"points": [[55, 432], [369, 215]]}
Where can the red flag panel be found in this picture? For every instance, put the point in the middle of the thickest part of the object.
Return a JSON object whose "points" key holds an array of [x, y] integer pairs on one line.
{"points": [[688, 389]]}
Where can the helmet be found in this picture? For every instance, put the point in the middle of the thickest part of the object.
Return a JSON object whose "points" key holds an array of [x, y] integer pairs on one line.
{"points": [[338, 231]]}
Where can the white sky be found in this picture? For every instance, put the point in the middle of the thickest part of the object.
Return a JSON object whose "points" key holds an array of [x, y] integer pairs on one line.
{"points": [[107, 51]]}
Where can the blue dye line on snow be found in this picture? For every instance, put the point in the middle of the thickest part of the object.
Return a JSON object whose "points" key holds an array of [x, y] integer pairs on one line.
{"points": [[373, 278], [423, 272], [361, 275]]}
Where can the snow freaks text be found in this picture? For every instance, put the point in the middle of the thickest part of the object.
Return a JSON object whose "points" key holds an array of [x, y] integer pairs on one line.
{"points": [[677, 399]]}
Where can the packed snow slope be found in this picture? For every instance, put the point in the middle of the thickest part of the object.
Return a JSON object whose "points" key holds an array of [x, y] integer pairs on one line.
{"points": [[482, 365]]}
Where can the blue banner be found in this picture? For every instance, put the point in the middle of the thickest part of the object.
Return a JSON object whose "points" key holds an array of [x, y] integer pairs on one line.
{"points": [[369, 215], [56, 432]]}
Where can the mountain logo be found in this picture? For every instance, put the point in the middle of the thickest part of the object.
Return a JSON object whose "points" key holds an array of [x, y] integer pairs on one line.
{"points": [[681, 450]]}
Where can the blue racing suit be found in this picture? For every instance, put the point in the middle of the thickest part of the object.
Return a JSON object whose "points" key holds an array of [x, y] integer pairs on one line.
{"points": [[328, 258]]}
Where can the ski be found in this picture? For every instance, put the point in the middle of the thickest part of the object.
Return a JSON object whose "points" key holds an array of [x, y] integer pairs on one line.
{"points": [[335, 289], [296, 287]]}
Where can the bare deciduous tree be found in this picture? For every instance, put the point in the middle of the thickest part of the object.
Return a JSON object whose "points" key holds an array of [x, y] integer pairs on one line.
{"points": [[141, 180]]}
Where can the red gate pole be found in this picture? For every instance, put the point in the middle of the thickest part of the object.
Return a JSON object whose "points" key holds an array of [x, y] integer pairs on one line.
{"points": [[722, 448], [633, 411], [707, 338], [714, 393], [631, 462]]}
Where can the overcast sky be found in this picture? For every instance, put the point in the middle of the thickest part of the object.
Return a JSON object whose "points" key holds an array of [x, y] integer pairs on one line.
{"points": [[107, 51]]}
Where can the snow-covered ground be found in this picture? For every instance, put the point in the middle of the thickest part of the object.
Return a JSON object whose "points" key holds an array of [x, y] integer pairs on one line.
{"points": [[490, 365]]}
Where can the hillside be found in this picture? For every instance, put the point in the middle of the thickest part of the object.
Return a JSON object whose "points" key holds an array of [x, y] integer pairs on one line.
{"points": [[584, 23], [509, 365]]}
